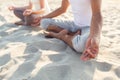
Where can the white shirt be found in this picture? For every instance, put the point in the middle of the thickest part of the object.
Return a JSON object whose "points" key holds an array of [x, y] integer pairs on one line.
{"points": [[82, 12]]}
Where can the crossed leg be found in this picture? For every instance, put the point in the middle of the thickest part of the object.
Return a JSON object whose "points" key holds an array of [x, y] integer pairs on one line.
{"points": [[54, 28], [64, 36], [67, 38], [19, 13], [57, 29]]}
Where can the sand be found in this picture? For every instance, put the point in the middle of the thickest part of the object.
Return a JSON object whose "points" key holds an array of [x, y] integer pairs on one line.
{"points": [[25, 54]]}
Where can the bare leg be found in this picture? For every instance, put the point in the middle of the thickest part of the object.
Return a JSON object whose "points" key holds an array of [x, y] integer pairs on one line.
{"points": [[57, 29], [54, 28], [64, 36], [19, 13]]}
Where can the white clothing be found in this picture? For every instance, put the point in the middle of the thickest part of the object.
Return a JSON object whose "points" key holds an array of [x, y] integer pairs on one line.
{"points": [[78, 41], [82, 12]]}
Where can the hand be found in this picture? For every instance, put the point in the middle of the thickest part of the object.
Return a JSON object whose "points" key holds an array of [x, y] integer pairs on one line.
{"points": [[91, 49], [27, 12], [11, 8], [36, 22]]}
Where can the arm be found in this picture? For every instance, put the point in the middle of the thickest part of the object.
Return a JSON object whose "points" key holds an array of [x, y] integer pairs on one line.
{"points": [[59, 11], [42, 6], [25, 7], [96, 24], [92, 44]]}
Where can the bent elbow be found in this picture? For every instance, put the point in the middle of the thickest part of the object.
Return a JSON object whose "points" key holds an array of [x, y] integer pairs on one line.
{"points": [[62, 10]]}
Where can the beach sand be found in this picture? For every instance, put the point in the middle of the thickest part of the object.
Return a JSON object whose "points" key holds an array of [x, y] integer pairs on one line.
{"points": [[25, 54]]}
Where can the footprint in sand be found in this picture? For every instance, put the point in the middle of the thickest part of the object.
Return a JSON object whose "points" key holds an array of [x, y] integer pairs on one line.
{"points": [[4, 59], [53, 73], [57, 57], [111, 36], [103, 66], [2, 34], [104, 32], [108, 78], [117, 22], [23, 70], [117, 72], [50, 44], [2, 19], [118, 27], [31, 52], [31, 49]]}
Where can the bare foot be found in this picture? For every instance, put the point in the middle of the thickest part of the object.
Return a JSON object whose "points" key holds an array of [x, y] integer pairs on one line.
{"points": [[47, 34], [75, 33], [56, 35]]}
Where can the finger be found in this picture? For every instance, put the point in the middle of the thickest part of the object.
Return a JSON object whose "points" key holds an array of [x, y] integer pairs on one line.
{"points": [[77, 33], [37, 19], [89, 51], [95, 52], [85, 57], [24, 13], [94, 49], [84, 54], [38, 23], [10, 8], [35, 25]]}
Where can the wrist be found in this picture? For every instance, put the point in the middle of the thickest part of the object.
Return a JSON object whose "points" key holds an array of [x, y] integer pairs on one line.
{"points": [[42, 17], [95, 37], [32, 12], [13, 7]]}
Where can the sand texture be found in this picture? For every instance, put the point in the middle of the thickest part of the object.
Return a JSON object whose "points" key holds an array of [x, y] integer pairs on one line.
{"points": [[25, 54]]}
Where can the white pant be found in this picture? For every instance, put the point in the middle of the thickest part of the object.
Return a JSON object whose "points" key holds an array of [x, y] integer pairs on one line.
{"points": [[78, 41]]}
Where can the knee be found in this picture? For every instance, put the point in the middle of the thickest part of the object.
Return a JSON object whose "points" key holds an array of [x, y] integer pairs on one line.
{"points": [[44, 23], [78, 43], [16, 12]]}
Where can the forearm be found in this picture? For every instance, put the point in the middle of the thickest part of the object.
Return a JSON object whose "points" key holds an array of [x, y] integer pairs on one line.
{"points": [[55, 13], [42, 11], [96, 25], [25, 7], [59, 11]]}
